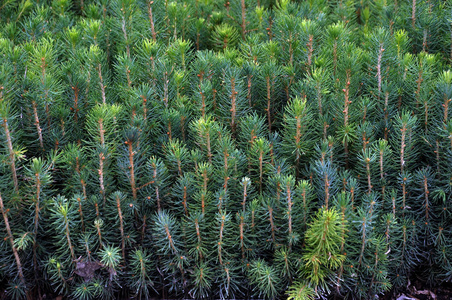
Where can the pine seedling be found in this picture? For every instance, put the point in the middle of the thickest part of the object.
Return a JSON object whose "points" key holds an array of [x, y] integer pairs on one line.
{"points": [[179, 53], [199, 29], [404, 140], [132, 159], [168, 242], [269, 78], [10, 238], [58, 274], [309, 29], [335, 37], [296, 138], [224, 36], [98, 73], [10, 135], [425, 70], [178, 20], [232, 102], [197, 242], [176, 155], [157, 182], [345, 281], [305, 195], [288, 34], [183, 191], [288, 77], [101, 124], [265, 279], [84, 291], [203, 196], [325, 180], [74, 105], [300, 291], [252, 127], [119, 212], [74, 156], [377, 270], [252, 49], [202, 281], [155, 18], [205, 131], [382, 58], [286, 262], [110, 258], [247, 241], [317, 86], [323, 239], [127, 74], [267, 221], [226, 158], [45, 89], [289, 201], [148, 54], [385, 164], [65, 223], [367, 163], [424, 205], [223, 238], [141, 282], [39, 179], [259, 157], [126, 14]]}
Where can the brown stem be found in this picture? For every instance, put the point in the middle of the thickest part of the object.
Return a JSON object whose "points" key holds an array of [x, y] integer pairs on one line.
{"points": [[220, 242], [426, 192], [11, 241], [132, 170], [369, 183], [68, 237], [121, 227], [242, 238], [75, 108], [165, 88], [12, 155], [402, 148], [446, 110], [101, 83], [80, 211], [100, 172], [310, 51], [170, 239], [327, 193], [243, 25], [151, 21], [38, 127], [272, 225], [244, 196]]}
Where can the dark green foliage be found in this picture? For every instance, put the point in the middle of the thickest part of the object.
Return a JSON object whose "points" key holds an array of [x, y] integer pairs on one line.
{"points": [[224, 149]]}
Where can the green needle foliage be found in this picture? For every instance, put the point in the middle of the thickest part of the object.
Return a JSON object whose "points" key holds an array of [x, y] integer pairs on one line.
{"points": [[247, 149], [323, 240]]}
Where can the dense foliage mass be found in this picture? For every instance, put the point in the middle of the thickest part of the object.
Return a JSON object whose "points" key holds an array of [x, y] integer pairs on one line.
{"points": [[224, 149]]}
